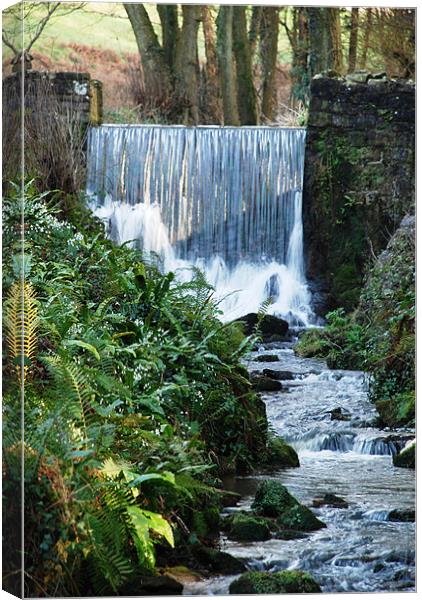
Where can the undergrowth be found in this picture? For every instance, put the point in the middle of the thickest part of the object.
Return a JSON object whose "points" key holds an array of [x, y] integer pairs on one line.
{"points": [[379, 336], [135, 403]]}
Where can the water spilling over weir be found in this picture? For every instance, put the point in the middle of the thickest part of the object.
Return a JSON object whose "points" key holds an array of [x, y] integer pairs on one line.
{"points": [[227, 200]]}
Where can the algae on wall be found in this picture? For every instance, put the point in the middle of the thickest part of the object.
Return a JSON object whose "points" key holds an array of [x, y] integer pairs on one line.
{"points": [[358, 180]]}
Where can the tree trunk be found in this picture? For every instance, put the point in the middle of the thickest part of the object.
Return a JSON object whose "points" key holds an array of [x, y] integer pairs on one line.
{"points": [[213, 101], [156, 70], [246, 97], [365, 45], [334, 24], [254, 28], [268, 47], [170, 29], [299, 41], [186, 64], [225, 64], [320, 44], [353, 40]]}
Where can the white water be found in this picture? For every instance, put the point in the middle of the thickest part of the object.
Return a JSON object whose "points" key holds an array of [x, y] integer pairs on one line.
{"points": [[361, 549], [226, 200]]}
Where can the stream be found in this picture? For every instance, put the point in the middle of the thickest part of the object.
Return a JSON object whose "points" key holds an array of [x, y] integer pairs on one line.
{"points": [[360, 550]]}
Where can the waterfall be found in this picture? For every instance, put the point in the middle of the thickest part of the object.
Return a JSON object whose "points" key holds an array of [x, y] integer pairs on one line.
{"points": [[225, 199]]}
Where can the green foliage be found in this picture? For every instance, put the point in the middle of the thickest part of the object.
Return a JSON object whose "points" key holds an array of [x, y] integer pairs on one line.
{"points": [[380, 336], [283, 582], [341, 342], [136, 402]]}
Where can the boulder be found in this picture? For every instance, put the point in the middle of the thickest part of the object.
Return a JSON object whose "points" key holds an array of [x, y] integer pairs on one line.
{"points": [[265, 384], [300, 518], [281, 454], [217, 561], [406, 458], [267, 358], [330, 500], [272, 499], [339, 414], [403, 516], [283, 582], [182, 574], [245, 528], [268, 326], [151, 585], [279, 375]]}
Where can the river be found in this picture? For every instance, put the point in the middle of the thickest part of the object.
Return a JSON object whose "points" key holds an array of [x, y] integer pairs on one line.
{"points": [[360, 550]]}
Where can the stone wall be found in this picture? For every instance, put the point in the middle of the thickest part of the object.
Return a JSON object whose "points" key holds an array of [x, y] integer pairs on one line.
{"points": [[359, 179], [75, 92]]}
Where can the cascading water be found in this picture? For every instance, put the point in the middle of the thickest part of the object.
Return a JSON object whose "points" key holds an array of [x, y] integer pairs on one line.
{"points": [[226, 200]]}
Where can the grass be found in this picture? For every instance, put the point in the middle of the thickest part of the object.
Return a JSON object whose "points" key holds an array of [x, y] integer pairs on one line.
{"points": [[103, 25]]}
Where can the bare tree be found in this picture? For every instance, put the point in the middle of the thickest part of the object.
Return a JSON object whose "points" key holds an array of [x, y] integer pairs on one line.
{"points": [[353, 40], [268, 51], [225, 64], [246, 95], [20, 39], [213, 93]]}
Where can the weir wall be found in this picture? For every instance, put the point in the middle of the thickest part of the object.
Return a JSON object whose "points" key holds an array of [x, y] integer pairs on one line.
{"points": [[359, 179]]}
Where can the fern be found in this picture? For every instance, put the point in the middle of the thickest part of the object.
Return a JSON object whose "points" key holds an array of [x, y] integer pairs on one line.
{"points": [[71, 379], [21, 324]]}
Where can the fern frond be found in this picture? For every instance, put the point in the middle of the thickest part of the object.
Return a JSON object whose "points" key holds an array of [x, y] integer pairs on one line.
{"points": [[21, 323]]}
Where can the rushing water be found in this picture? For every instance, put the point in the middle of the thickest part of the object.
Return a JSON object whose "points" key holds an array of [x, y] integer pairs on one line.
{"points": [[360, 550], [227, 200]]}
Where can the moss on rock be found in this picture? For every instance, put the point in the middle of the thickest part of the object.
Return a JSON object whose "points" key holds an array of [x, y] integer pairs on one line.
{"points": [[245, 528], [406, 458], [300, 518], [283, 582], [281, 454], [272, 499]]}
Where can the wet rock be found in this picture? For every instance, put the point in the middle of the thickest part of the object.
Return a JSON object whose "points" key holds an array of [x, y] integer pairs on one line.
{"points": [[182, 574], [290, 534], [378, 567], [269, 325], [272, 499], [301, 518], [404, 516], [279, 375], [330, 500], [266, 384], [283, 582], [217, 561], [151, 585], [339, 414], [230, 499], [281, 454], [406, 458], [245, 528], [267, 358]]}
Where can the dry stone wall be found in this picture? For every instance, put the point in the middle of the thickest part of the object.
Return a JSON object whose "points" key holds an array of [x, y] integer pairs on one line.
{"points": [[75, 92], [359, 178]]}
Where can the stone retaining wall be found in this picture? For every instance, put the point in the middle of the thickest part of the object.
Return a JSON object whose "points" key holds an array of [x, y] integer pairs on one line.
{"points": [[75, 92], [359, 178]]}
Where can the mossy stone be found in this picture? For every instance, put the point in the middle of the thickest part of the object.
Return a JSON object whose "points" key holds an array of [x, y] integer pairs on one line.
{"points": [[283, 582], [300, 518], [406, 458], [272, 499], [281, 454], [216, 561], [244, 528]]}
